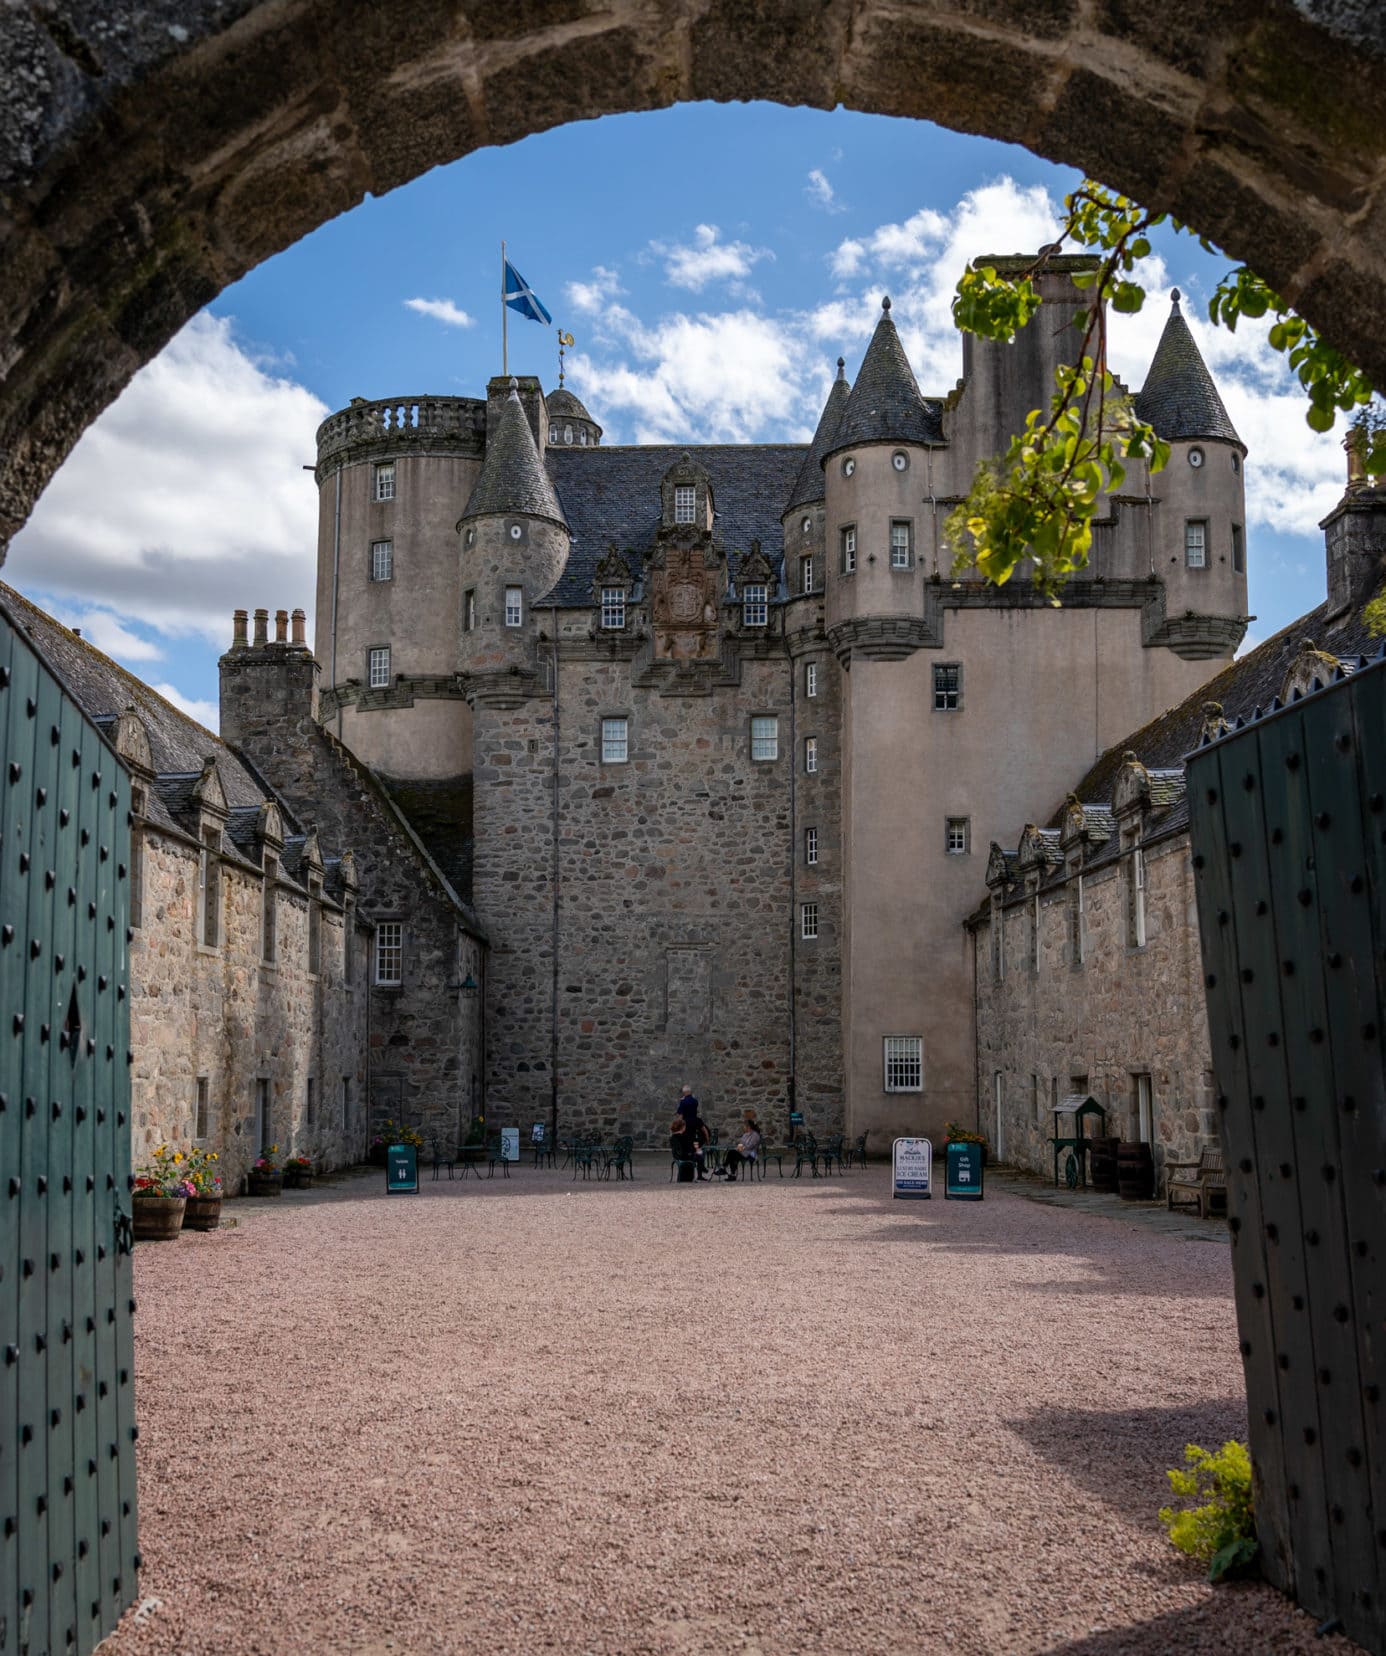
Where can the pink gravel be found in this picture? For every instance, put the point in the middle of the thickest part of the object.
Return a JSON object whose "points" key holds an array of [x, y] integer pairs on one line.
{"points": [[792, 1417]]}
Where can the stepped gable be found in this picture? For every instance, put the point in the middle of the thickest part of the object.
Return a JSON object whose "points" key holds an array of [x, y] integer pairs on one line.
{"points": [[611, 495], [885, 405], [809, 486], [513, 481], [1179, 397]]}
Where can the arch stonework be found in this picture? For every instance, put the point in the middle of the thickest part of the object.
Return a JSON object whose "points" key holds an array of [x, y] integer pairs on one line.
{"points": [[152, 153]]}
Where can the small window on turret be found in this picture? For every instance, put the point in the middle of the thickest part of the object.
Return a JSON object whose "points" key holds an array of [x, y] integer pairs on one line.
{"points": [[1196, 545], [469, 610], [685, 504], [901, 544], [553, 433], [514, 606], [385, 480], [849, 549], [805, 574], [567, 434], [1238, 550], [382, 560]]}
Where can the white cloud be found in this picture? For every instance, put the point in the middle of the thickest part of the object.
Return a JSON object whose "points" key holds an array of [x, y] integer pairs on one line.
{"points": [[205, 712], [441, 310], [590, 297], [821, 194], [185, 500], [708, 259]]}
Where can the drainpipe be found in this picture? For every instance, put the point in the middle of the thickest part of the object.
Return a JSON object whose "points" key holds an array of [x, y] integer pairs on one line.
{"points": [[976, 1039], [553, 1006], [336, 567], [793, 866]]}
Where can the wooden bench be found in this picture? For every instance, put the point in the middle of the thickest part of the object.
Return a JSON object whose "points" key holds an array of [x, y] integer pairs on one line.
{"points": [[1201, 1184]]}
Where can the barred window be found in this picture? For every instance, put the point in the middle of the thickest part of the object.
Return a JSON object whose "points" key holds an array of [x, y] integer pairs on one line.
{"points": [[685, 503], [615, 741], [849, 549], [808, 920], [613, 606], [1196, 545], [389, 952], [382, 560], [378, 668], [958, 836], [765, 738], [754, 605], [947, 687], [904, 1063], [901, 549], [514, 606], [385, 480], [810, 846], [811, 679], [810, 755]]}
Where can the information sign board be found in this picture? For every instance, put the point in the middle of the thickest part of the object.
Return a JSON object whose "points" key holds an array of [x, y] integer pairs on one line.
{"points": [[912, 1168], [510, 1144], [401, 1169], [963, 1173]]}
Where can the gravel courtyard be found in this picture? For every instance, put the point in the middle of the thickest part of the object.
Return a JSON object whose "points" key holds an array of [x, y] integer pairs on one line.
{"points": [[529, 1415]]}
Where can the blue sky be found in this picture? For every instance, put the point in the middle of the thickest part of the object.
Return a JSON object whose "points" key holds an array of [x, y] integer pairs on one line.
{"points": [[712, 262]]}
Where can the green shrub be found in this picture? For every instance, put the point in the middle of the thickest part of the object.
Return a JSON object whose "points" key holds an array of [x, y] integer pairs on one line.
{"points": [[1222, 1532]]}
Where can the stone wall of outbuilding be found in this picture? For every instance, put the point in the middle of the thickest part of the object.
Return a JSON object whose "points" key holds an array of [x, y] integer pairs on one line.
{"points": [[1122, 1013]]}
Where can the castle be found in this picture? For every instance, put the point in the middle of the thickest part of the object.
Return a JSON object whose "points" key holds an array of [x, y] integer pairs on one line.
{"points": [[711, 739]]}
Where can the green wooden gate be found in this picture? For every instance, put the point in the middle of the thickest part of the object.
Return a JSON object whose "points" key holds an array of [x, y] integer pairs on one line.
{"points": [[1288, 821], [68, 1550]]}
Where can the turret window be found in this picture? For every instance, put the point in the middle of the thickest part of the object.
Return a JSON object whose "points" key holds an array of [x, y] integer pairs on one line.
{"points": [[1196, 545], [469, 609], [382, 560], [806, 574], [514, 606], [378, 668], [901, 545], [755, 610], [811, 679], [385, 480], [810, 755], [553, 433], [567, 434], [1238, 550], [811, 847], [685, 503], [849, 549], [947, 687], [613, 606]]}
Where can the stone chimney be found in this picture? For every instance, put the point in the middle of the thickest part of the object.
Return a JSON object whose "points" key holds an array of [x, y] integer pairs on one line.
{"points": [[269, 691], [1355, 535], [531, 400]]}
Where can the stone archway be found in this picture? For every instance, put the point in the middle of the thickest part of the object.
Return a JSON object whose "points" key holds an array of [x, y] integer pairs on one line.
{"points": [[155, 154]]}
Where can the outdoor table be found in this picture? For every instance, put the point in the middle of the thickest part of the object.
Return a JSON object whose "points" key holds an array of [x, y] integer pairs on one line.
{"points": [[471, 1156]]}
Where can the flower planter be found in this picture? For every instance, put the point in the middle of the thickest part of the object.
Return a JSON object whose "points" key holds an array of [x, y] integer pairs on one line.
{"points": [[157, 1218], [203, 1213], [298, 1178], [266, 1184]]}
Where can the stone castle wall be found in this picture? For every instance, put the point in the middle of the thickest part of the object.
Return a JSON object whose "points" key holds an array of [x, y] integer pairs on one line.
{"points": [[225, 1014], [1123, 1012]]}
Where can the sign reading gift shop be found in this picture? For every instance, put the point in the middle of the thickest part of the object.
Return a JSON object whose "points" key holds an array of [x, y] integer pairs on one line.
{"points": [[912, 1169], [401, 1169]]}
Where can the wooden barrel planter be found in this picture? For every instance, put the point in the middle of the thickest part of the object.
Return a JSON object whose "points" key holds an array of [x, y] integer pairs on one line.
{"points": [[297, 1178], [1102, 1164], [1135, 1171], [203, 1213], [157, 1218], [266, 1184]]}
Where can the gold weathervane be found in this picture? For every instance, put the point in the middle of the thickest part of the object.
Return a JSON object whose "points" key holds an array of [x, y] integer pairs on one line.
{"points": [[564, 340]]}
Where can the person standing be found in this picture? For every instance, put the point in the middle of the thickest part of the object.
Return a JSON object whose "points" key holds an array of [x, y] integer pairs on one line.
{"points": [[688, 1108]]}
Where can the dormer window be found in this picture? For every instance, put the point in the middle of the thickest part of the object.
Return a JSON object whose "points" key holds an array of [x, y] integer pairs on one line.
{"points": [[755, 609], [613, 607], [553, 433], [685, 503], [567, 434]]}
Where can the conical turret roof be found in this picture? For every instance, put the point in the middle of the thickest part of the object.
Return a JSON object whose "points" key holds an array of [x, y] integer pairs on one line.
{"points": [[1179, 397], [884, 405], [513, 481], [808, 485]]}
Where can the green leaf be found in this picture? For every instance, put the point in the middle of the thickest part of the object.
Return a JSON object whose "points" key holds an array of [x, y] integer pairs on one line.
{"points": [[1232, 1559], [1319, 418]]}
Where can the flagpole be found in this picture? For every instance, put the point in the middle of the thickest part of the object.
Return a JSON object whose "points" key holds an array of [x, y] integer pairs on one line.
{"points": [[505, 336]]}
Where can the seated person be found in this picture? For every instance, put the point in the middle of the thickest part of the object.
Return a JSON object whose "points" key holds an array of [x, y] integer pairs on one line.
{"points": [[747, 1147], [681, 1148]]}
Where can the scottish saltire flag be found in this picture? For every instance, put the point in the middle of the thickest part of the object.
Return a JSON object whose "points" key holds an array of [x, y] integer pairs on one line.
{"points": [[518, 296]]}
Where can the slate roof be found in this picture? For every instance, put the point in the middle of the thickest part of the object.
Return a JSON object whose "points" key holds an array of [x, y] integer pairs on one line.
{"points": [[1179, 397], [885, 405], [563, 404], [611, 494], [809, 485], [440, 813], [512, 478]]}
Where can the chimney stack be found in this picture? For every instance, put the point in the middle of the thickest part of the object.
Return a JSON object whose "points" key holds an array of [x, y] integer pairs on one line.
{"points": [[238, 629], [261, 627], [299, 618], [1355, 542], [281, 626]]}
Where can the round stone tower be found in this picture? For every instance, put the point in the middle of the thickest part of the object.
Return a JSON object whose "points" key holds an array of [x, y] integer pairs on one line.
{"points": [[569, 423]]}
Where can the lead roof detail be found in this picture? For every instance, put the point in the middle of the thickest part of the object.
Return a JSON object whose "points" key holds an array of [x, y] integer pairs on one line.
{"points": [[885, 404], [809, 486], [1179, 398], [513, 481]]}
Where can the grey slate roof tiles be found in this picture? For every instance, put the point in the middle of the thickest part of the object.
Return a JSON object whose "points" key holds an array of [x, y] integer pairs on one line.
{"points": [[885, 405], [512, 477], [611, 494], [1179, 397], [809, 485]]}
